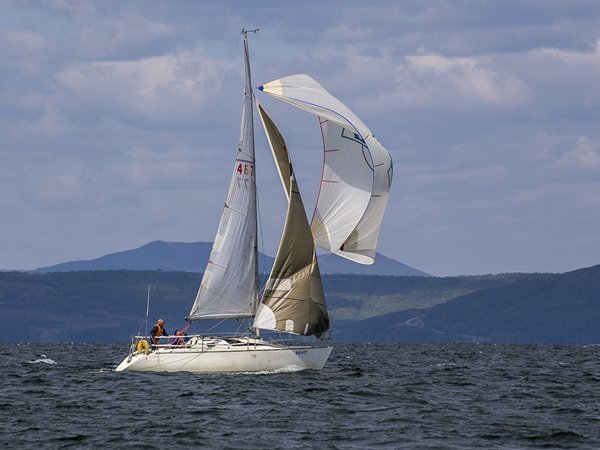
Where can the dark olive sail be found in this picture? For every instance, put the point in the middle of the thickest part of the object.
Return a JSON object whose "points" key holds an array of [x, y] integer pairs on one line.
{"points": [[293, 300]]}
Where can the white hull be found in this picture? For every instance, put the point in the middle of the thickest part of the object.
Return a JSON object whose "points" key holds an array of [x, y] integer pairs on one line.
{"points": [[221, 356]]}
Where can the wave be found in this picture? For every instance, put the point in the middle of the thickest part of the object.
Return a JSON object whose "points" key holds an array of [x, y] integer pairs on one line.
{"points": [[43, 361], [290, 368]]}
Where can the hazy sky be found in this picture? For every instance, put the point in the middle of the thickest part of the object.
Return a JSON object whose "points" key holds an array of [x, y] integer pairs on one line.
{"points": [[119, 123]]}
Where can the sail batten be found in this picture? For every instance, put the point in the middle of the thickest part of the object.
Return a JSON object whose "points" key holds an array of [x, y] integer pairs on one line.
{"points": [[356, 174], [236, 210]]}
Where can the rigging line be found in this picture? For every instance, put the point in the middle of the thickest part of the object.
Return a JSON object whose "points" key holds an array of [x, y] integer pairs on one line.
{"points": [[216, 325], [242, 324], [322, 256], [260, 227], [146, 317], [209, 127], [262, 239], [262, 291]]}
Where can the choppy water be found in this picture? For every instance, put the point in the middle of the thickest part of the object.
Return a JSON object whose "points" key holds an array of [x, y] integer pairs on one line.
{"points": [[367, 396]]}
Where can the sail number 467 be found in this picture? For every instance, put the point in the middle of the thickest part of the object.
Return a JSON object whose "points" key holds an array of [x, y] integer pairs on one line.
{"points": [[246, 169]]}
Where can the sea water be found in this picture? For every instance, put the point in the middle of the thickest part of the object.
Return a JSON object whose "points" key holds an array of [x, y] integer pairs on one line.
{"points": [[367, 396]]}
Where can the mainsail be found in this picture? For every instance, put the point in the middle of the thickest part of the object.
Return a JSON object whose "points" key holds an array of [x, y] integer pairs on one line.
{"points": [[293, 300], [229, 286], [357, 171]]}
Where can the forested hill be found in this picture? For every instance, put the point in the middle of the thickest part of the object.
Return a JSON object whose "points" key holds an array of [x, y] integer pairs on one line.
{"points": [[545, 308], [109, 306]]}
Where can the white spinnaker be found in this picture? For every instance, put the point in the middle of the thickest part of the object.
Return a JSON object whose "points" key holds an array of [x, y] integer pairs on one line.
{"points": [[229, 287], [357, 171]]}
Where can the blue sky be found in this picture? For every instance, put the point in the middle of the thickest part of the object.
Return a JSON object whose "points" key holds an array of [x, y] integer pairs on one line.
{"points": [[119, 122]]}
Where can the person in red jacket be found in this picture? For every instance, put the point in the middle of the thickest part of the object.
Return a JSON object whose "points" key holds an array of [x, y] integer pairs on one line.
{"points": [[158, 330]]}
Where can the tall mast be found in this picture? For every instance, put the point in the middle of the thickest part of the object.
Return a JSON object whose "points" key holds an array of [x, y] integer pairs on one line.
{"points": [[248, 110]]}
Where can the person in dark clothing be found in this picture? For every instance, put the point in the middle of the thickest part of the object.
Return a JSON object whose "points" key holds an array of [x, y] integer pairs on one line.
{"points": [[158, 330], [179, 339]]}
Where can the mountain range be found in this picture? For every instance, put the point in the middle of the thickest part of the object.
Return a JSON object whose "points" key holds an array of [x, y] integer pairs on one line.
{"points": [[192, 257], [110, 305]]}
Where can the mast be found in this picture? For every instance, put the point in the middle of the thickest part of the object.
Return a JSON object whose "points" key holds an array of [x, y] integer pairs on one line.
{"points": [[248, 108], [147, 310]]}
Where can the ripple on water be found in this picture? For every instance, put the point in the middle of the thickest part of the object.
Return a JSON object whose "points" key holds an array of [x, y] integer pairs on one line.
{"points": [[396, 396]]}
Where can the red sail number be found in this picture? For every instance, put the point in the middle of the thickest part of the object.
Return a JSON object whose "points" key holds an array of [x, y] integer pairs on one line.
{"points": [[247, 169]]}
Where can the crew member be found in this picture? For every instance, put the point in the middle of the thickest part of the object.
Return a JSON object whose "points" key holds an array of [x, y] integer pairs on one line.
{"points": [[158, 330], [179, 340]]}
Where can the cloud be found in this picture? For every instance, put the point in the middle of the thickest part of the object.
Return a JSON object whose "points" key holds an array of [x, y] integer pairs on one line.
{"points": [[113, 116], [23, 52], [172, 87], [108, 30], [466, 81], [583, 158]]}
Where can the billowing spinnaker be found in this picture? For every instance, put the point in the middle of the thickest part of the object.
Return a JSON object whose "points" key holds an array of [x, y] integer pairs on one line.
{"points": [[357, 171], [229, 286], [345, 190], [360, 246], [305, 93], [293, 300]]}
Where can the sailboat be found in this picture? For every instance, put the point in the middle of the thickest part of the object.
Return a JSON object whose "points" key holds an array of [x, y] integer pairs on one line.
{"points": [[356, 179]]}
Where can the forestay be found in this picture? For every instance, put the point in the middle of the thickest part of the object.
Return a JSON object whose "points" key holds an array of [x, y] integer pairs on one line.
{"points": [[293, 300], [229, 287], [357, 171]]}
